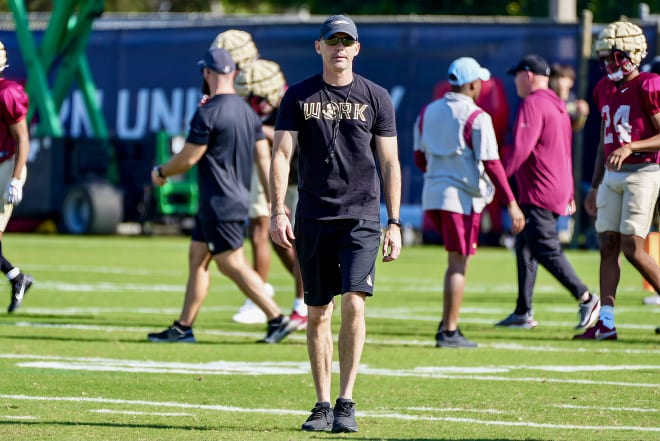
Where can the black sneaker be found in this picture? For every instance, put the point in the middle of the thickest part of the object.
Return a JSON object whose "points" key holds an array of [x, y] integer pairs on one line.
{"points": [[19, 286], [453, 340], [173, 334], [320, 420], [344, 414], [278, 329]]}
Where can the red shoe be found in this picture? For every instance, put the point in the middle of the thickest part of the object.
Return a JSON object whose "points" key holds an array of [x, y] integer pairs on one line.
{"points": [[300, 321], [598, 332]]}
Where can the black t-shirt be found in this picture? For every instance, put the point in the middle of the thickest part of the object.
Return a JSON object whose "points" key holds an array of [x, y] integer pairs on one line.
{"points": [[230, 129], [337, 180], [270, 120]]}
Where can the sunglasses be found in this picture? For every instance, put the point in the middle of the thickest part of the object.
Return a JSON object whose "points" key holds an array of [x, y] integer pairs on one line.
{"points": [[334, 41]]}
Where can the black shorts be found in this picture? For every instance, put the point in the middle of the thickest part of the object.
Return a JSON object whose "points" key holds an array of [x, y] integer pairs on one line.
{"points": [[219, 236], [336, 256]]}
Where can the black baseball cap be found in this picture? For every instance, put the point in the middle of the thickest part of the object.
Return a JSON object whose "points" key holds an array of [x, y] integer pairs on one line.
{"points": [[336, 24], [217, 59], [531, 63]]}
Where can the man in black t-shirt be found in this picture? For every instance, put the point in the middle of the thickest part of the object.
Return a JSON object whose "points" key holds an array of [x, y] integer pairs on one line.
{"points": [[342, 124], [224, 139]]}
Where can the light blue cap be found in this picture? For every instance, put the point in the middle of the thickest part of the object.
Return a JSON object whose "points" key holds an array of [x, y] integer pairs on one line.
{"points": [[465, 70]]}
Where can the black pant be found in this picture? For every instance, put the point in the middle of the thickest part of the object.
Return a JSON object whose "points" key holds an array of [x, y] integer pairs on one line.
{"points": [[539, 243]]}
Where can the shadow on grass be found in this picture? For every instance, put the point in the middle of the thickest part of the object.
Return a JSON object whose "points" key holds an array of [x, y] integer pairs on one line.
{"points": [[238, 429], [133, 340]]}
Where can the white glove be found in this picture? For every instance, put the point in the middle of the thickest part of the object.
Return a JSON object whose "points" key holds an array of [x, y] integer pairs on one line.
{"points": [[15, 192]]}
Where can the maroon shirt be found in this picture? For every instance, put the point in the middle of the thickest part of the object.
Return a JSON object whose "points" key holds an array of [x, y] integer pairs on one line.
{"points": [[626, 109], [13, 108], [541, 157]]}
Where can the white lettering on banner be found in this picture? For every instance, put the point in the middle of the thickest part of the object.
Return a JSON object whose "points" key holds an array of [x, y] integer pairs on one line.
{"points": [[164, 116], [151, 110], [75, 111], [162, 112], [139, 128]]}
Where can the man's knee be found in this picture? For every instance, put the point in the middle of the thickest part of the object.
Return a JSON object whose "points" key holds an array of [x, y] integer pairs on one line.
{"points": [[610, 245]]}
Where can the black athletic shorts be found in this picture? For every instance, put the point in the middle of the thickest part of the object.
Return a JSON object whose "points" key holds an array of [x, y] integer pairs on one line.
{"points": [[219, 236], [336, 256]]}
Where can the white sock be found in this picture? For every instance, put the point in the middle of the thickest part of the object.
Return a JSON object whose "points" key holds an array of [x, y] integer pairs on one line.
{"points": [[607, 316], [11, 275], [300, 307]]}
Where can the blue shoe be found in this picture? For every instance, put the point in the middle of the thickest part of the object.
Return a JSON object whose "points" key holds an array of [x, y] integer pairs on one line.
{"points": [[173, 334]]}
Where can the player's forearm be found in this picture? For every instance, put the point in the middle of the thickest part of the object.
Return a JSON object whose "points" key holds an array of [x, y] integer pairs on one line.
{"points": [[651, 144]]}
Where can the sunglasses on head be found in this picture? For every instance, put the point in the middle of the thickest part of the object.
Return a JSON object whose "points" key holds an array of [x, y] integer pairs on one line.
{"points": [[334, 41]]}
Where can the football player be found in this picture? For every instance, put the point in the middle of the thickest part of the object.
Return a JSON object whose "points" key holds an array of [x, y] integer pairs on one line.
{"points": [[626, 179], [14, 150]]}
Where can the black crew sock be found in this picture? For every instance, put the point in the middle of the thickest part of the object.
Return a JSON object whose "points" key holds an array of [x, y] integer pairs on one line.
{"points": [[179, 325], [277, 320]]}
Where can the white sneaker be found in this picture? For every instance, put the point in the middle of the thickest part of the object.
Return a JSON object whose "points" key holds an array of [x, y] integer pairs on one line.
{"points": [[249, 313], [652, 300]]}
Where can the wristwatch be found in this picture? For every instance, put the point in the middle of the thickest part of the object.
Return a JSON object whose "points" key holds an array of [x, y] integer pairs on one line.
{"points": [[394, 221], [159, 172]]}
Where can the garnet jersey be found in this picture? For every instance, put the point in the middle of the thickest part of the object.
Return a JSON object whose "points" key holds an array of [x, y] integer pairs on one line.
{"points": [[626, 109], [13, 108]]}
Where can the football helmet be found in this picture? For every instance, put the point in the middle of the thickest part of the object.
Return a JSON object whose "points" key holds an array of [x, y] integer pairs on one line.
{"points": [[620, 46], [261, 80], [239, 44]]}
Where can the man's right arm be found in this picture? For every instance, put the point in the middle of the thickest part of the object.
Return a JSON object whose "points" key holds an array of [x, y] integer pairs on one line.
{"points": [[280, 226]]}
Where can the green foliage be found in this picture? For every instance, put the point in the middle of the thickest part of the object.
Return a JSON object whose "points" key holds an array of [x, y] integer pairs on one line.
{"points": [[603, 10]]}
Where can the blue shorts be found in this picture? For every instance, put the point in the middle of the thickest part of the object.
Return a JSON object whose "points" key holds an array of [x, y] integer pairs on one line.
{"points": [[336, 256]]}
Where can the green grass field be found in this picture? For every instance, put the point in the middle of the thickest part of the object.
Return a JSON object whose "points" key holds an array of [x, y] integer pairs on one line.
{"points": [[76, 364]]}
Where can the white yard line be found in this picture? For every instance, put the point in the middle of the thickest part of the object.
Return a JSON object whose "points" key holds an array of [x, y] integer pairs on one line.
{"points": [[135, 412], [224, 367], [389, 416], [589, 349]]}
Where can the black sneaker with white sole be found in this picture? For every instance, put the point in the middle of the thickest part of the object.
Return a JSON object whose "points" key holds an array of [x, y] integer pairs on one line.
{"points": [[320, 420], [278, 329], [173, 334], [344, 416], [19, 287]]}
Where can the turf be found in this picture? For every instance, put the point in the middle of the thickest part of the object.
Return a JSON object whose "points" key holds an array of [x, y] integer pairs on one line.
{"points": [[76, 365]]}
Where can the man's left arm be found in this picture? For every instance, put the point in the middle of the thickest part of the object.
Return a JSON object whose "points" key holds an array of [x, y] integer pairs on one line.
{"points": [[390, 169]]}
